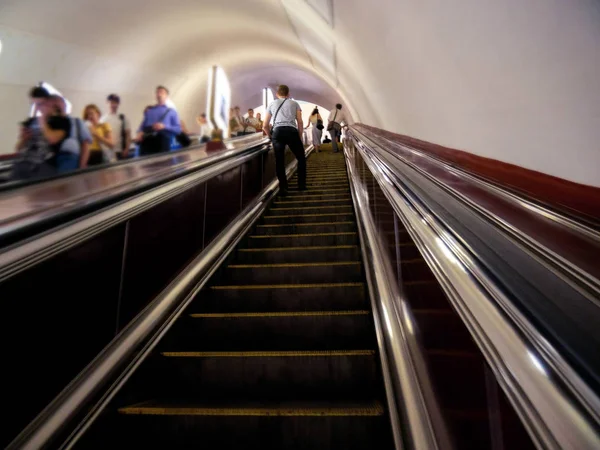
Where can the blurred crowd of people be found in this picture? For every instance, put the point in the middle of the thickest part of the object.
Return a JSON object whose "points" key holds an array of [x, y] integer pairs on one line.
{"points": [[240, 125], [51, 141]]}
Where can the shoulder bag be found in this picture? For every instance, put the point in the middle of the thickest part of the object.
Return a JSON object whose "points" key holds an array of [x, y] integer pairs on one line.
{"points": [[275, 116]]}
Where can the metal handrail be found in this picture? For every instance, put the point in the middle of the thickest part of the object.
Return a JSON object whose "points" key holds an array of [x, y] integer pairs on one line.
{"points": [[555, 416], [140, 336], [9, 184], [414, 411], [174, 170], [561, 218], [20, 257]]}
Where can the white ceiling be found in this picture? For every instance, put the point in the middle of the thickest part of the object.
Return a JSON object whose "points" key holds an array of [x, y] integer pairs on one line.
{"points": [[515, 80]]}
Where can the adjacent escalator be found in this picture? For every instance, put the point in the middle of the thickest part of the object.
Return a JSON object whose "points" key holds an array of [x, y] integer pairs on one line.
{"points": [[278, 351]]}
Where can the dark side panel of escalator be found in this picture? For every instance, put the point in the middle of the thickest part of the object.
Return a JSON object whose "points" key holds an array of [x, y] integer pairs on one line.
{"points": [[278, 351], [474, 407]]}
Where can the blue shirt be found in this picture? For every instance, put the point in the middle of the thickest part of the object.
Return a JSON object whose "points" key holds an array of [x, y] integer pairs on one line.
{"points": [[156, 114]]}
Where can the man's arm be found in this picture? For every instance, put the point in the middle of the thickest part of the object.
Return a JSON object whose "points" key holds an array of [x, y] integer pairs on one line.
{"points": [[172, 123], [85, 155], [266, 123], [127, 139], [300, 124], [140, 130], [24, 136]]}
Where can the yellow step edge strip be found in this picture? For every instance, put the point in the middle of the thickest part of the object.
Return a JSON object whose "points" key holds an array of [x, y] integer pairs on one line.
{"points": [[324, 182], [373, 411], [293, 265], [280, 314], [336, 178], [274, 354], [310, 215], [303, 224], [332, 200], [312, 195], [285, 249], [291, 192], [257, 287], [353, 233], [309, 207]]}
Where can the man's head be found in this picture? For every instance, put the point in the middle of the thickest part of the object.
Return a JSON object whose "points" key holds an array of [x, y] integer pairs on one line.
{"points": [[236, 110], [258, 116], [162, 95], [250, 112], [39, 96], [203, 118], [56, 105], [283, 91], [113, 101], [338, 106]]}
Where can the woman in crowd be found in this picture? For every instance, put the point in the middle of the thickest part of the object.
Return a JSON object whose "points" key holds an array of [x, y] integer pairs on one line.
{"points": [[260, 122], [205, 128], [101, 150], [252, 123], [316, 121], [236, 123]]}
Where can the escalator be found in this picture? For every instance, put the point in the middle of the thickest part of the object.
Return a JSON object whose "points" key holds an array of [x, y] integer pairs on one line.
{"points": [[278, 351], [290, 344]]}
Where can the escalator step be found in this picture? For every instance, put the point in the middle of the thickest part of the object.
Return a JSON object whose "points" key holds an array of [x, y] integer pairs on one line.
{"points": [[290, 217], [294, 192], [316, 195], [292, 273], [317, 253], [270, 354], [335, 209], [299, 297], [281, 330], [275, 426], [303, 202], [368, 410], [304, 228], [303, 240], [265, 375]]}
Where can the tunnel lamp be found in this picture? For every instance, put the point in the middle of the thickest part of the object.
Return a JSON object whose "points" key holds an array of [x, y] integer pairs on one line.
{"points": [[219, 99], [267, 97]]}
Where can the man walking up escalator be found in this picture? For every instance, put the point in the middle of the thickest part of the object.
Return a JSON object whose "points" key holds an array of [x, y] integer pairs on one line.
{"points": [[287, 130]]}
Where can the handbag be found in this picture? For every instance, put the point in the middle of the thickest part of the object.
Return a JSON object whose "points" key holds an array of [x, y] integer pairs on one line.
{"points": [[332, 124], [320, 125], [183, 139], [275, 116]]}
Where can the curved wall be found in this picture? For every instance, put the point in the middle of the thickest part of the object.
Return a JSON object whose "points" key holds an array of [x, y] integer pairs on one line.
{"points": [[515, 80]]}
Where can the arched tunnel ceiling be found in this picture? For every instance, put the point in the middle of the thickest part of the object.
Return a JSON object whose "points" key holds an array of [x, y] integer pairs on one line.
{"points": [[253, 40], [514, 80]]}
